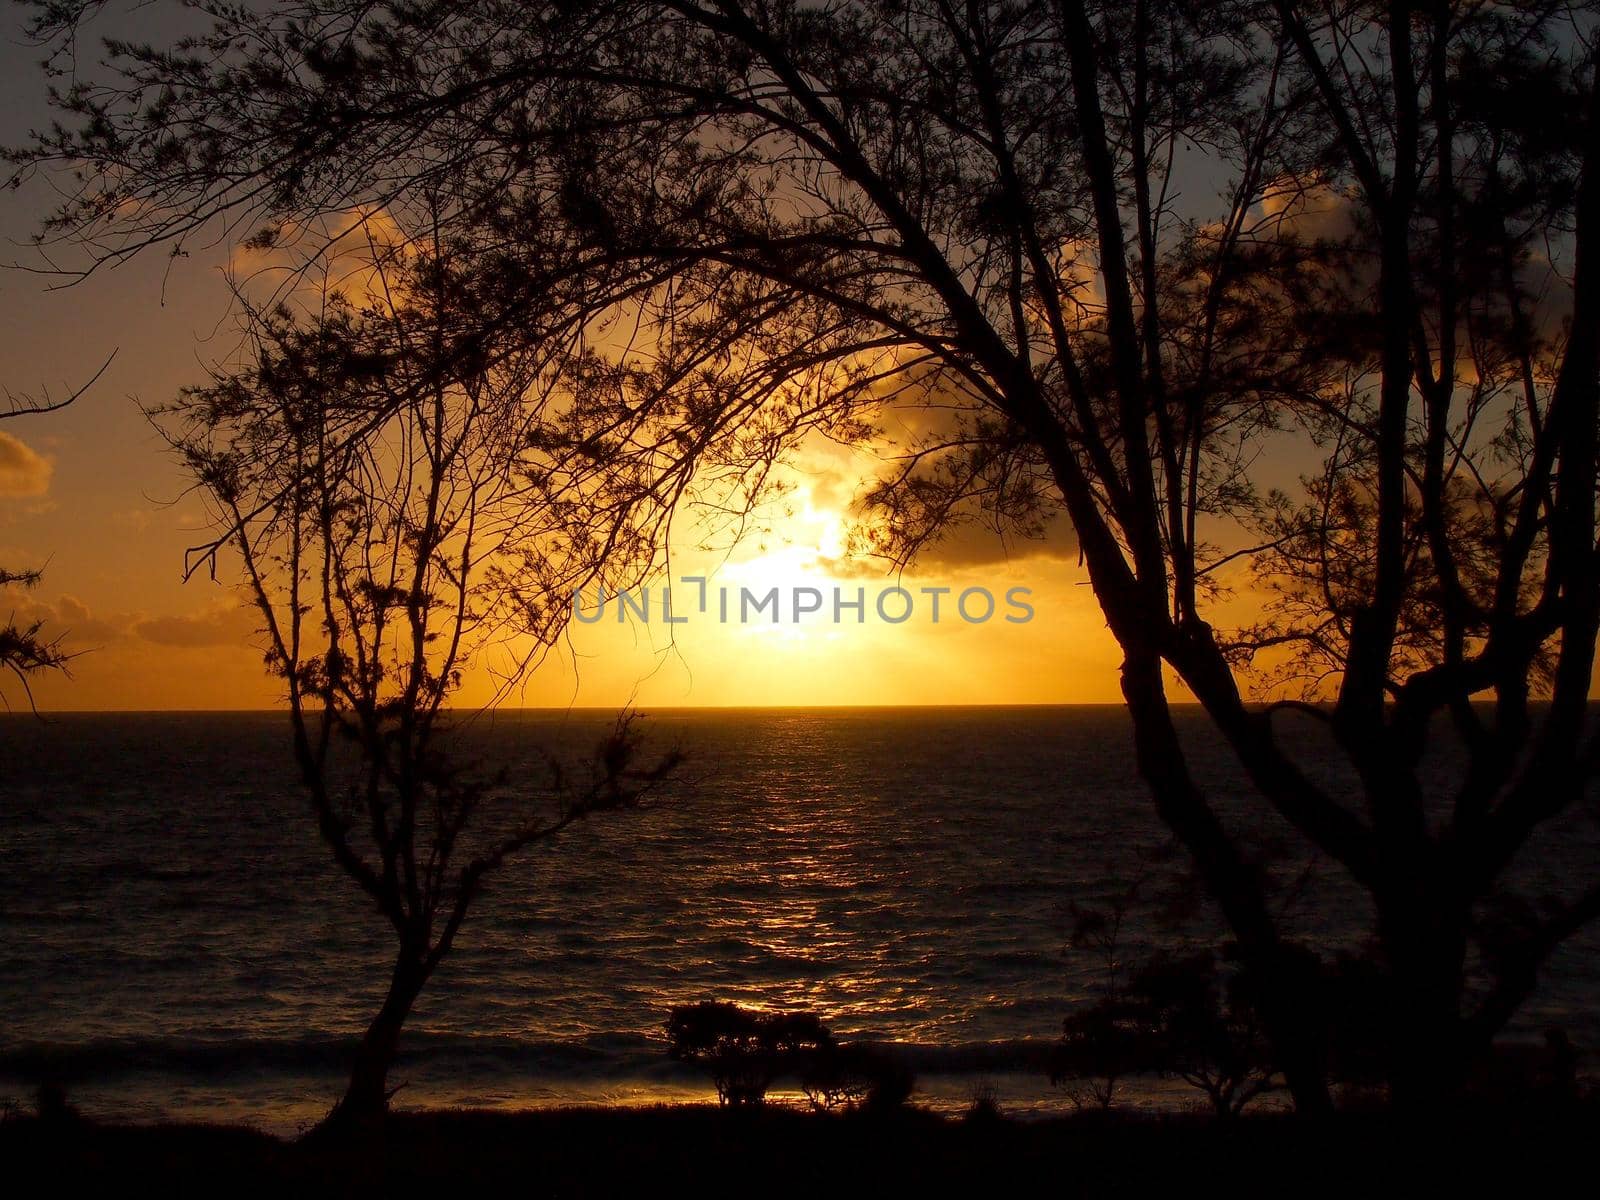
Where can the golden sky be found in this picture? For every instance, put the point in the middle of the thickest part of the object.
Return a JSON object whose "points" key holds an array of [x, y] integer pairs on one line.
{"points": [[89, 494]]}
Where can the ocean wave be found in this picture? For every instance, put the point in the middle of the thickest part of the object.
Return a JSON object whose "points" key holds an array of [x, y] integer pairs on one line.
{"points": [[615, 1055], [318, 1051]]}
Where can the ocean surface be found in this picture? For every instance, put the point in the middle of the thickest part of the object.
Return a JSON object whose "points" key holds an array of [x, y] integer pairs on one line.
{"points": [[175, 941]]}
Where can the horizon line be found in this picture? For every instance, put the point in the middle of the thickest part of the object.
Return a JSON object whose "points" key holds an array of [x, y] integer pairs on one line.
{"points": [[45, 714]]}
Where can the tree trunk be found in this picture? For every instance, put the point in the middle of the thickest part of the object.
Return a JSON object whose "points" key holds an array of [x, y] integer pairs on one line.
{"points": [[366, 1098], [1297, 1031], [1426, 1051], [1288, 990]]}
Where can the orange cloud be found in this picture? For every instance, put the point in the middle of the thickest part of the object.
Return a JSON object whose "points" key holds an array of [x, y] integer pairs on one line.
{"points": [[223, 623], [68, 617], [23, 471]]}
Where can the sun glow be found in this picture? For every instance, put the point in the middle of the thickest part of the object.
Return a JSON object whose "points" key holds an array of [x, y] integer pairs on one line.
{"points": [[771, 620]]}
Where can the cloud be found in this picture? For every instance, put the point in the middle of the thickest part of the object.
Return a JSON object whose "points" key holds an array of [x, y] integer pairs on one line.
{"points": [[831, 481], [68, 617], [969, 545], [222, 624], [1310, 209], [349, 245], [977, 544], [136, 520], [82, 625], [23, 471]]}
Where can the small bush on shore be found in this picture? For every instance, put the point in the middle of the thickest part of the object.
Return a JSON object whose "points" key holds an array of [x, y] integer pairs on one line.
{"points": [[1179, 1017], [856, 1077], [746, 1051]]}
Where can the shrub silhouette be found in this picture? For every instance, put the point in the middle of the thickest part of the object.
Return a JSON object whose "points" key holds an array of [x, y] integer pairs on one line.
{"points": [[856, 1077], [1179, 1017], [984, 1107], [746, 1051], [1207, 1029], [1099, 1045], [53, 1106]]}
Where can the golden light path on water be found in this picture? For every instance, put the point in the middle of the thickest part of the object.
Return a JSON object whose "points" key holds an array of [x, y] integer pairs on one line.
{"points": [[180, 942]]}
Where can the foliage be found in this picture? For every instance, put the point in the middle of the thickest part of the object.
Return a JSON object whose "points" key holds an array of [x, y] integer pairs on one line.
{"points": [[1100, 1046], [854, 1076], [1177, 1016], [1209, 1029], [746, 1051], [25, 649]]}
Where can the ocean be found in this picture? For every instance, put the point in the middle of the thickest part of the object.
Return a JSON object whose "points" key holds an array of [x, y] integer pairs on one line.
{"points": [[175, 941]]}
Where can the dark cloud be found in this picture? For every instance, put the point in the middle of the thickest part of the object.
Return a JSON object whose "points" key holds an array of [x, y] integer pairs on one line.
{"points": [[974, 544], [83, 627], [220, 625], [964, 547]]}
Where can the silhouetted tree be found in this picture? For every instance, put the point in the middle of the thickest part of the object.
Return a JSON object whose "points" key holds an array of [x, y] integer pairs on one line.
{"points": [[1177, 1017], [1110, 1038], [1100, 1046], [979, 211], [366, 471], [1187, 1010], [1208, 1028], [744, 1050], [26, 649], [856, 1077]]}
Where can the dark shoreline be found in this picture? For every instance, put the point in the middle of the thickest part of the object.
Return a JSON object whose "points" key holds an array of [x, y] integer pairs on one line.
{"points": [[709, 1152]]}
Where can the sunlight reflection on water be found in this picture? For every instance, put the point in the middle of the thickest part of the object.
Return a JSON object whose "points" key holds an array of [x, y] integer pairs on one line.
{"points": [[175, 940]]}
